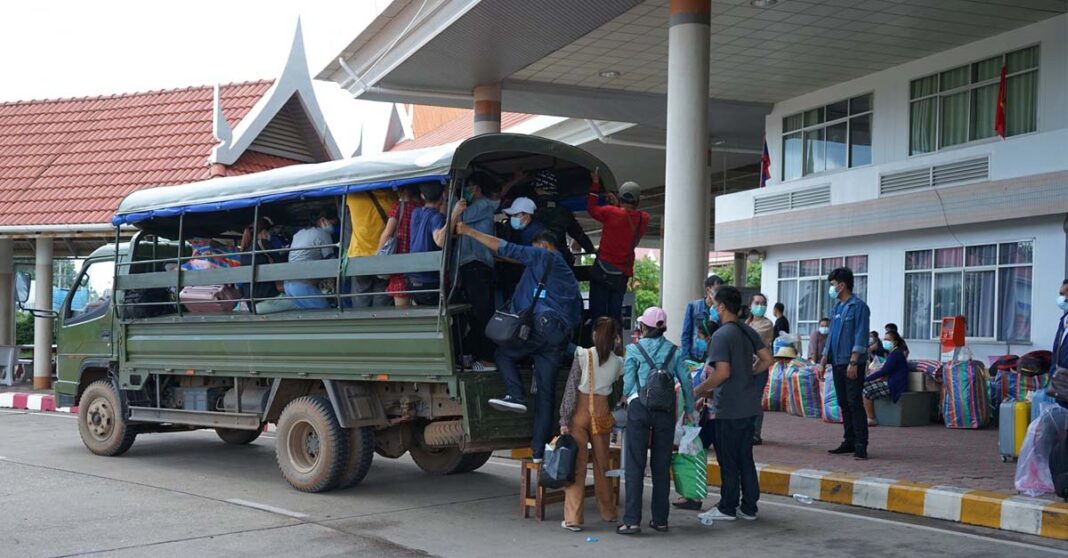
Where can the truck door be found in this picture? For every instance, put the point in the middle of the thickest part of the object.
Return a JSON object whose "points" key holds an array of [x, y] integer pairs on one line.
{"points": [[84, 334]]}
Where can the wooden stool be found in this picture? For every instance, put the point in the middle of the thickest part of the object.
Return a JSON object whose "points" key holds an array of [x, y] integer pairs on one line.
{"points": [[536, 497]]}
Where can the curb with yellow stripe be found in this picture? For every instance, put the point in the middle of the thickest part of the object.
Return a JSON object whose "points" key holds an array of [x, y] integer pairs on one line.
{"points": [[997, 510]]}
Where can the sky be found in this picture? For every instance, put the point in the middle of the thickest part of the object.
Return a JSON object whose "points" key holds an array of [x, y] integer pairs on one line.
{"points": [[62, 48]]}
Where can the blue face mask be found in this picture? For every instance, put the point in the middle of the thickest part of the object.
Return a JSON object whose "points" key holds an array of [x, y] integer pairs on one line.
{"points": [[516, 223], [1062, 303], [833, 292], [700, 346], [888, 345], [759, 311], [824, 330], [712, 314], [468, 195]]}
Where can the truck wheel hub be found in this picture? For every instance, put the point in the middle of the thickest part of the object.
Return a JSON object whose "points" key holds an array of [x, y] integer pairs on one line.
{"points": [[304, 446], [100, 419]]}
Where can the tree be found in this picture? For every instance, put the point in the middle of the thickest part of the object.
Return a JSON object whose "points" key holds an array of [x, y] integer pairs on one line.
{"points": [[752, 273], [645, 284]]}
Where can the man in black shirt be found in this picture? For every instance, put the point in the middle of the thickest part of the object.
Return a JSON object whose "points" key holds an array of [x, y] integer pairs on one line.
{"points": [[782, 325]]}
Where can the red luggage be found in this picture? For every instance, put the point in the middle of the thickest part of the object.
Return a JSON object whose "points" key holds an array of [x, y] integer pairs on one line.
{"points": [[209, 299]]}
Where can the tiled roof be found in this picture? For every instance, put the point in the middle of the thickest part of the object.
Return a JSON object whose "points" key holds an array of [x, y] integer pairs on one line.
{"points": [[456, 129], [70, 161]]}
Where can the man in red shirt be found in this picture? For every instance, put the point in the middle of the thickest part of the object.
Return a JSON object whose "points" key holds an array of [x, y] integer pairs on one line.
{"points": [[624, 226]]}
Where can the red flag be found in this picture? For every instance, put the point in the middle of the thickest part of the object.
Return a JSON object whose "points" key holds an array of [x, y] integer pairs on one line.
{"points": [[765, 166], [999, 117]]}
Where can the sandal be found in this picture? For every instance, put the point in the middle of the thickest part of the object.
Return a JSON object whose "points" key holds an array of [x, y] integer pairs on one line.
{"points": [[687, 504], [571, 527], [628, 530], [659, 528]]}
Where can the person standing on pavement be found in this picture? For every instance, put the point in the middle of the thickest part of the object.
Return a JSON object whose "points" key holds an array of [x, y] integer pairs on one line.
{"points": [[594, 372], [818, 339], [758, 307], [650, 434], [557, 311], [697, 312], [782, 325], [847, 353], [624, 227], [737, 353]]}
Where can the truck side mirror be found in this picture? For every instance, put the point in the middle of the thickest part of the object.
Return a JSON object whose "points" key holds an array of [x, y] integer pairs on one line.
{"points": [[22, 287]]}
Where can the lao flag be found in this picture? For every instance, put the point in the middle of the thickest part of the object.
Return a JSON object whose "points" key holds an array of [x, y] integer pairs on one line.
{"points": [[765, 166]]}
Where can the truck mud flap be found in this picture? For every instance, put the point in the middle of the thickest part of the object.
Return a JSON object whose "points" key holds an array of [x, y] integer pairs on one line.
{"points": [[488, 428]]}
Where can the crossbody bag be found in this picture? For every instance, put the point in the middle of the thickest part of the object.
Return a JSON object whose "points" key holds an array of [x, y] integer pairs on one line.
{"points": [[610, 275], [507, 328]]}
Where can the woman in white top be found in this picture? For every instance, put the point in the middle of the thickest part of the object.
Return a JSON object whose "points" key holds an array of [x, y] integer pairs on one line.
{"points": [[575, 419]]}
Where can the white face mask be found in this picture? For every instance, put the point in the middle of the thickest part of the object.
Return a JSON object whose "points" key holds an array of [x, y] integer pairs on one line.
{"points": [[832, 291], [824, 330], [1062, 303]]}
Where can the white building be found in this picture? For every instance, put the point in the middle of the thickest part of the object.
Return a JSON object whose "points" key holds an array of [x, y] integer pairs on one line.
{"points": [[900, 175]]}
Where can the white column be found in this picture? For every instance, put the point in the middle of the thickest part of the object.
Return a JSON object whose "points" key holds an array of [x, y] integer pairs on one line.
{"points": [[7, 291], [42, 326], [686, 196], [740, 269], [487, 109]]}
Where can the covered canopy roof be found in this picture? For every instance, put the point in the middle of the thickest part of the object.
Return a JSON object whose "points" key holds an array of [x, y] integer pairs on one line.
{"points": [[350, 175]]}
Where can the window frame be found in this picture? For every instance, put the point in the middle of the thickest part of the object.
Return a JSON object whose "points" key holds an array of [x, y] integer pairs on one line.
{"points": [[101, 310], [821, 293], [969, 88], [962, 269], [824, 125]]}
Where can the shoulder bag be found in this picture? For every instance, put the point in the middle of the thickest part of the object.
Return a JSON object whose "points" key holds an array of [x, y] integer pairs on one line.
{"points": [[599, 424], [390, 245], [610, 275], [506, 328]]}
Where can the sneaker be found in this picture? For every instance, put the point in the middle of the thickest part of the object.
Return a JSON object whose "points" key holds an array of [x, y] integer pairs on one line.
{"points": [[479, 366], [715, 515], [508, 404], [846, 447], [861, 453], [745, 516], [537, 460]]}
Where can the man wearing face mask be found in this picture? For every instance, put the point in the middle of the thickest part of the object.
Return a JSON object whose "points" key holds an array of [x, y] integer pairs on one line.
{"points": [[315, 242], [521, 220], [697, 312], [1060, 342], [818, 339], [847, 352], [476, 264]]}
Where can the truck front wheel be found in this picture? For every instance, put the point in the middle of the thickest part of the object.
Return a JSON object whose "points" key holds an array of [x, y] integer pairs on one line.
{"points": [[311, 447], [100, 422]]}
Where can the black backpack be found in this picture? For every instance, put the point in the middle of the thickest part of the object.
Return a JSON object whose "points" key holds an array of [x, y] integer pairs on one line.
{"points": [[659, 391]]}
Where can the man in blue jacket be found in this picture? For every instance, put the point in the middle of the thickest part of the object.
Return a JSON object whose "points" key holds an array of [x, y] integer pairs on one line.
{"points": [[847, 352], [696, 313], [557, 312], [1060, 342]]}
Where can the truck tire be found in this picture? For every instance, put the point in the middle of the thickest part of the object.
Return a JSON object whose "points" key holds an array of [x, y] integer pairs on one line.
{"points": [[310, 446], [361, 453], [237, 437], [474, 461], [100, 422], [438, 461]]}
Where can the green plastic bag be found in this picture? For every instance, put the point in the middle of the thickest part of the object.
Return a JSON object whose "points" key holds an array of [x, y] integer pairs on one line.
{"points": [[691, 474]]}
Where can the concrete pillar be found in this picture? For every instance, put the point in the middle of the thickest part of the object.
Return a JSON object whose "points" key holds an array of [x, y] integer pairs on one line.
{"points": [[686, 196], [42, 327], [739, 269], [487, 109], [7, 291]]}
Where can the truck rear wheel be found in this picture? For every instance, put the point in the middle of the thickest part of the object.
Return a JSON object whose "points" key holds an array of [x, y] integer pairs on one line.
{"points": [[361, 453], [311, 447], [474, 461], [100, 422], [237, 437]]}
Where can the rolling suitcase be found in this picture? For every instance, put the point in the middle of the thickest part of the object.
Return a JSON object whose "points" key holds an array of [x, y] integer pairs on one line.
{"points": [[1014, 417], [209, 299]]}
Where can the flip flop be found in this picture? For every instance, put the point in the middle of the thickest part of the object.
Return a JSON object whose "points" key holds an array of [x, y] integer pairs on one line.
{"points": [[628, 530], [570, 527], [694, 505], [659, 528]]}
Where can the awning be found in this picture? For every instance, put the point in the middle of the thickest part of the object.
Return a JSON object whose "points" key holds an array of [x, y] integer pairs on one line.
{"points": [[334, 178]]}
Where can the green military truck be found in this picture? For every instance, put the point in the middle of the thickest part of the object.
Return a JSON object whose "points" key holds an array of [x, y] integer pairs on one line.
{"points": [[341, 383]]}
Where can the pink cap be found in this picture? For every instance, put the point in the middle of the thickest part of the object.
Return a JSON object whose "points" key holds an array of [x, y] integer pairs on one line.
{"points": [[653, 317]]}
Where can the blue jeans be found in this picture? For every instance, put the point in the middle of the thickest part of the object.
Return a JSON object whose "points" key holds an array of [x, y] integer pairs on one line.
{"points": [[306, 288], [546, 345], [606, 301], [734, 451]]}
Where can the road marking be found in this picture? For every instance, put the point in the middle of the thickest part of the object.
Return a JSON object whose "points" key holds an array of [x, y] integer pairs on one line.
{"points": [[12, 411], [884, 521], [53, 415], [266, 508]]}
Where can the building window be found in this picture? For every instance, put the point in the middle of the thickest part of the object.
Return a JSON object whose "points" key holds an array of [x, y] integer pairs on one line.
{"points": [[989, 284], [958, 106], [826, 138], [803, 288]]}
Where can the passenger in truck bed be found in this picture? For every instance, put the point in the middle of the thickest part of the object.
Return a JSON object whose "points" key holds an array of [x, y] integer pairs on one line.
{"points": [[315, 242]]}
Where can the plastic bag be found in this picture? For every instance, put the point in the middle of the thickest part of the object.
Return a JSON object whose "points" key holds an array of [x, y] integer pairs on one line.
{"points": [[691, 474], [1033, 476], [558, 467], [786, 340], [830, 411], [688, 438]]}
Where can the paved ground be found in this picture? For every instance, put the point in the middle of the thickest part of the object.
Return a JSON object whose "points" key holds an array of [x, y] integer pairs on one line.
{"points": [[190, 495], [933, 454]]}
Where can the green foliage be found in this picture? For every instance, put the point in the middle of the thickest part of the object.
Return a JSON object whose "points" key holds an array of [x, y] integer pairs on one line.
{"points": [[752, 273], [645, 284], [23, 328]]}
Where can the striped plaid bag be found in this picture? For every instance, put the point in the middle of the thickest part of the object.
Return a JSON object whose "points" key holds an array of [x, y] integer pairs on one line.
{"points": [[965, 395], [803, 392], [830, 411]]}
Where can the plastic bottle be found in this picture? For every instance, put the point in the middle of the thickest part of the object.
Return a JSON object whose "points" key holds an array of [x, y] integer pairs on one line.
{"points": [[803, 498], [706, 521], [591, 539]]}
